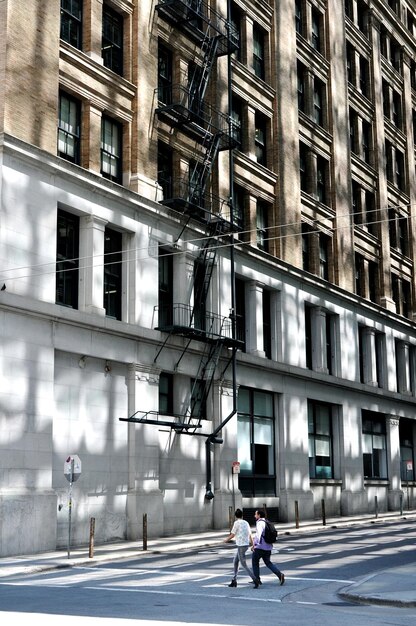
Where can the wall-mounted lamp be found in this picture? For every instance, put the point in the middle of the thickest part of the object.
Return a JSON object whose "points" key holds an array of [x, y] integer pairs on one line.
{"points": [[82, 362]]}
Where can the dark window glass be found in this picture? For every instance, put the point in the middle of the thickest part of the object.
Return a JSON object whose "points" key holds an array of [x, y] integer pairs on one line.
{"points": [[198, 398], [262, 226], [267, 336], [236, 120], [407, 449], [111, 149], [258, 52], [71, 22], [164, 75], [238, 208], [316, 30], [260, 139], [320, 440], [67, 255], [240, 306], [112, 41], [112, 273], [306, 248], [301, 87], [323, 256], [236, 27], [165, 169], [318, 102], [374, 445], [302, 167], [321, 179], [165, 394], [69, 128], [298, 16], [165, 287], [366, 141], [308, 335], [255, 435]]}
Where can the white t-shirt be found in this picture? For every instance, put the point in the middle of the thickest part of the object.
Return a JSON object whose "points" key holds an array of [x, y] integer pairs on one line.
{"points": [[242, 532]]}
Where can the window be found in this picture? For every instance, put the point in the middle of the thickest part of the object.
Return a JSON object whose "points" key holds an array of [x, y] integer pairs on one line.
{"points": [[372, 355], [236, 120], [260, 139], [301, 87], [111, 149], [112, 40], [401, 294], [365, 82], [306, 248], [238, 207], [303, 152], [236, 28], [261, 226], [112, 273], [316, 30], [366, 139], [165, 394], [321, 332], [298, 16], [320, 440], [267, 332], [386, 98], [407, 449], [396, 114], [321, 179], [374, 445], [240, 310], [350, 57], [165, 170], [71, 22], [165, 301], [69, 128], [67, 254], [198, 398], [255, 436], [318, 101], [164, 91], [324, 244], [398, 231], [258, 52], [200, 294]]}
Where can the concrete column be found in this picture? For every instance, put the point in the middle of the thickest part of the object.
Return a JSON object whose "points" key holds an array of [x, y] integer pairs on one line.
{"points": [[91, 132], [393, 462], [369, 356], [225, 484], [92, 29], [144, 495], [255, 319], [91, 265], [318, 323], [380, 166]]}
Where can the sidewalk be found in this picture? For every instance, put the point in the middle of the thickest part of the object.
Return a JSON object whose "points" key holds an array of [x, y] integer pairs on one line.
{"points": [[395, 587]]}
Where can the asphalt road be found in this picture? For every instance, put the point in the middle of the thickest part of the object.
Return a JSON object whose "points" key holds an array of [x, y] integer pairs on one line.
{"points": [[191, 586]]}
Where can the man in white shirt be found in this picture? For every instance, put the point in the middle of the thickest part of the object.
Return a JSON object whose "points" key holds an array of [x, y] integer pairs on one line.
{"points": [[243, 539]]}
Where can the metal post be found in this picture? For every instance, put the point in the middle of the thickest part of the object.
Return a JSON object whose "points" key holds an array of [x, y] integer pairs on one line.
{"points": [[71, 480], [144, 531], [92, 533], [323, 512], [297, 513], [401, 504], [376, 505], [230, 516]]}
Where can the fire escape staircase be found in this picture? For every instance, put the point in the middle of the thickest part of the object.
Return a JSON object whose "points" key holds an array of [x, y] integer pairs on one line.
{"points": [[188, 111]]}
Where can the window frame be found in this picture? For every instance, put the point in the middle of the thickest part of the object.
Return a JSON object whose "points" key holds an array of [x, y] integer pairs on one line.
{"points": [[67, 263], [72, 19], [315, 436], [373, 428], [115, 156], [113, 273], [64, 132]]}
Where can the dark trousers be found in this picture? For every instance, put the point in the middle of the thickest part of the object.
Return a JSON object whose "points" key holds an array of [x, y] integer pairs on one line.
{"points": [[265, 555]]}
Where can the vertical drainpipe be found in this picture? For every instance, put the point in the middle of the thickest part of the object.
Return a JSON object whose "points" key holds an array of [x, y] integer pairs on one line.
{"points": [[209, 495]]}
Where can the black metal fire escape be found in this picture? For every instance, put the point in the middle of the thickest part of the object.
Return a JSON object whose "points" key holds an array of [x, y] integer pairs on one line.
{"points": [[186, 109]]}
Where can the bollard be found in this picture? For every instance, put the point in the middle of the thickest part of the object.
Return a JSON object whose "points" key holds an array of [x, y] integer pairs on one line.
{"points": [[144, 531], [92, 533], [230, 517], [376, 505], [323, 512], [297, 513], [401, 504]]}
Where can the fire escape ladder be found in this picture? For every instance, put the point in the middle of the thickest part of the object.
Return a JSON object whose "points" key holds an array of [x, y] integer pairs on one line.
{"points": [[201, 74], [204, 380]]}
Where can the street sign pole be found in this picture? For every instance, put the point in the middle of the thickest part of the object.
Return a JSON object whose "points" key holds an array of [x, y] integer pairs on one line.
{"points": [[71, 479], [72, 471]]}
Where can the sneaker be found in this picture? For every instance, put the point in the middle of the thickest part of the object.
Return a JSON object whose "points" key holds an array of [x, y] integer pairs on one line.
{"points": [[282, 579], [257, 583]]}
